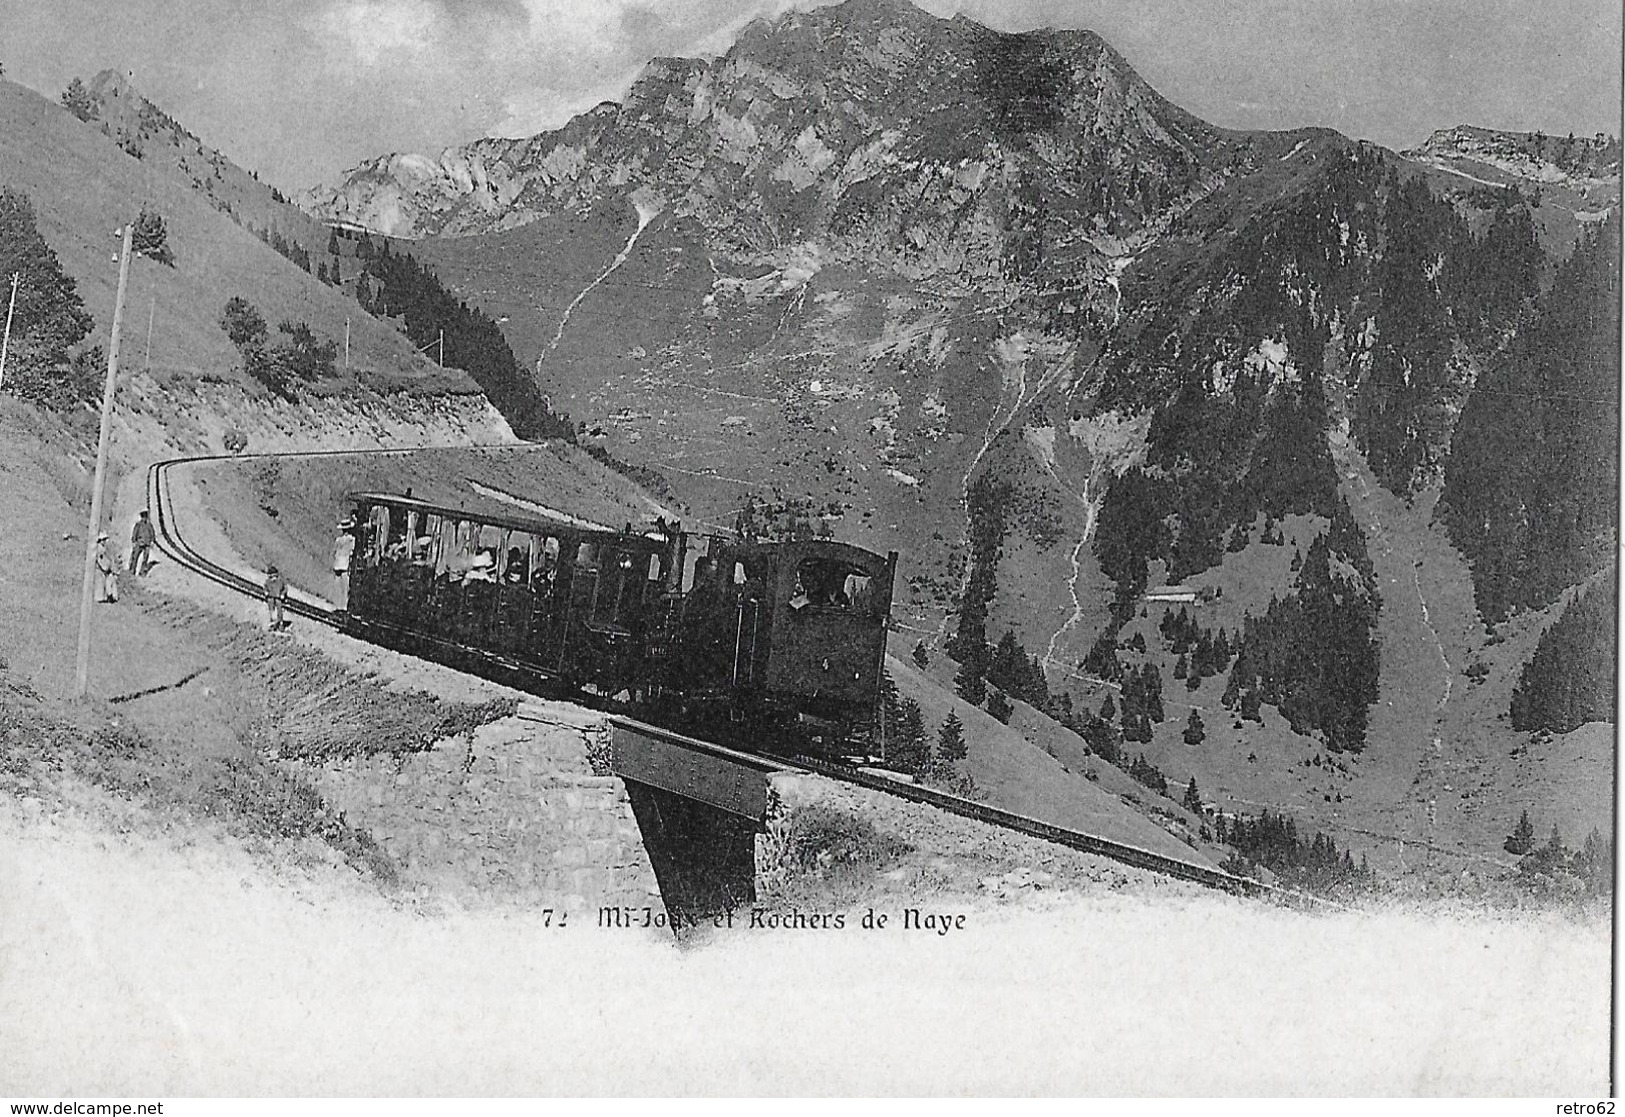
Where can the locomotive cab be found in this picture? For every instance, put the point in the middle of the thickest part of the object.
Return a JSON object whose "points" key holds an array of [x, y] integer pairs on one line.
{"points": [[829, 607]]}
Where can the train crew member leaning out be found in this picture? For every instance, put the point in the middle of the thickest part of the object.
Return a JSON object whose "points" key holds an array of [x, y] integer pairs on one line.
{"points": [[276, 595]]}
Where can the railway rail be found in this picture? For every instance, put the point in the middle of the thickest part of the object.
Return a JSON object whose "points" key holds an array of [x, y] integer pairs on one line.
{"points": [[171, 543]]}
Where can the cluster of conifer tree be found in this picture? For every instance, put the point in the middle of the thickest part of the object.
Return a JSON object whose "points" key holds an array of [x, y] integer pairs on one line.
{"points": [[908, 749], [1312, 655], [987, 500], [1530, 487], [285, 247], [1272, 840], [1018, 674], [1142, 702], [402, 287], [1570, 679], [1148, 774], [44, 361], [1202, 653], [1554, 868]]}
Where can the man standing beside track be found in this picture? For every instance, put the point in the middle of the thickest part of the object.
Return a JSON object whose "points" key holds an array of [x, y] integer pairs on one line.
{"points": [[276, 595], [141, 541]]}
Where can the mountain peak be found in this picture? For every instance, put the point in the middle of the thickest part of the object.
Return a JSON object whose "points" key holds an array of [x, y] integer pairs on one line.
{"points": [[1532, 156]]}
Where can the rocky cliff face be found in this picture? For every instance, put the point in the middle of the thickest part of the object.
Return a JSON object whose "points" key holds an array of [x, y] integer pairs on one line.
{"points": [[934, 146], [1581, 162]]}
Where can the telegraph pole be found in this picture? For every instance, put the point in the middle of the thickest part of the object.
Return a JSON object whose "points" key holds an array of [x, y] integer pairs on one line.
{"points": [[5, 342], [346, 344], [87, 588]]}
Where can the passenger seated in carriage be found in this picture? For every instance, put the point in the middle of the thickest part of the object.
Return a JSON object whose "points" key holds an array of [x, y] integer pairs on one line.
{"points": [[482, 569], [516, 573]]}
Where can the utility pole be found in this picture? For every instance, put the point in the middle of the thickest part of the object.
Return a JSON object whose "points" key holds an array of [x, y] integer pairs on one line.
{"points": [[5, 342], [86, 591], [152, 307], [442, 348], [346, 343]]}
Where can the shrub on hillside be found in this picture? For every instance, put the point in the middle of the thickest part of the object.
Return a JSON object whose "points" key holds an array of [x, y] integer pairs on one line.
{"points": [[300, 359], [150, 238], [77, 100]]}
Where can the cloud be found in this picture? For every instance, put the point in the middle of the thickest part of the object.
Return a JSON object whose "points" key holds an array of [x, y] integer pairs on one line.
{"points": [[372, 30]]}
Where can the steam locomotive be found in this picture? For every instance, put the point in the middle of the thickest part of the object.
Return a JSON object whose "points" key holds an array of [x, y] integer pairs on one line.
{"points": [[758, 644]]}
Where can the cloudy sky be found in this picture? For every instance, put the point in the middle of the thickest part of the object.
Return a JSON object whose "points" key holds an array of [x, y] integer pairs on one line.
{"points": [[302, 89]]}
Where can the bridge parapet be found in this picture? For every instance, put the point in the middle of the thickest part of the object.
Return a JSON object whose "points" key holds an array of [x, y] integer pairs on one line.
{"points": [[517, 812]]}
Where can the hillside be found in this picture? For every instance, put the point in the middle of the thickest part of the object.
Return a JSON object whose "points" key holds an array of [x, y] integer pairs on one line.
{"points": [[83, 186], [867, 289]]}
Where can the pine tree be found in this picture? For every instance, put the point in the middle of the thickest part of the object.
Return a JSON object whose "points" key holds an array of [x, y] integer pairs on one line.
{"points": [[999, 706], [951, 741], [150, 238], [77, 100], [1522, 838], [922, 658], [244, 324], [50, 318], [1108, 709], [913, 753], [1195, 731], [1193, 799], [970, 682]]}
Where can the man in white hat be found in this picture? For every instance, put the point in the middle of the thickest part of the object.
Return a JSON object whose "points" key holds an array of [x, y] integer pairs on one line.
{"points": [[109, 571], [483, 569]]}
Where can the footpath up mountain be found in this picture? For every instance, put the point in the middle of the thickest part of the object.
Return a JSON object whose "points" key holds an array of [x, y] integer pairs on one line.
{"points": [[990, 299]]}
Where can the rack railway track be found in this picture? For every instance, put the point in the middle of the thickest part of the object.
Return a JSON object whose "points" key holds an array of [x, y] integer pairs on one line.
{"points": [[171, 543]]}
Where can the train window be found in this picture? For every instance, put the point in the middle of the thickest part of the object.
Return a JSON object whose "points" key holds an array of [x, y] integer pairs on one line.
{"points": [[377, 532], [587, 556], [831, 584], [654, 568], [611, 590], [547, 564], [446, 547], [701, 549], [739, 573], [395, 534], [426, 536]]}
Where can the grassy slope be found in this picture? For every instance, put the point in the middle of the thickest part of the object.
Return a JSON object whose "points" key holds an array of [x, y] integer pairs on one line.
{"points": [[1018, 775], [83, 187]]}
